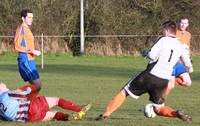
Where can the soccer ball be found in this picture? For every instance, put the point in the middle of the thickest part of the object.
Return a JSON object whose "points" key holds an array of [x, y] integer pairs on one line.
{"points": [[149, 111]]}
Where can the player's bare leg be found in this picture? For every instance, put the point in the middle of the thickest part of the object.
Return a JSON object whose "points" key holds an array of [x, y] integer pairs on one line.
{"points": [[37, 84], [171, 85]]}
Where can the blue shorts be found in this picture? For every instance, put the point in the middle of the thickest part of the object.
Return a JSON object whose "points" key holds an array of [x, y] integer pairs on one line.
{"points": [[28, 70], [178, 69]]}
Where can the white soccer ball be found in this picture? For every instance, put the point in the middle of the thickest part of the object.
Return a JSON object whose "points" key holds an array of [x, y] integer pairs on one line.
{"points": [[149, 111]]}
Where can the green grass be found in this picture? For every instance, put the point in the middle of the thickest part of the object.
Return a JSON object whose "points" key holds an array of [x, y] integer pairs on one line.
{"points": [[95, 79]]}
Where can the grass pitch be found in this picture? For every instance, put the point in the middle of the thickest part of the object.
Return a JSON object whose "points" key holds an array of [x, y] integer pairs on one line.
{"points": [[95, 79]]}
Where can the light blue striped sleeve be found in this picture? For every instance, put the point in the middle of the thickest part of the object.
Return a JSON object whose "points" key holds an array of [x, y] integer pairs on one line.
{"points": [[18, 94]]}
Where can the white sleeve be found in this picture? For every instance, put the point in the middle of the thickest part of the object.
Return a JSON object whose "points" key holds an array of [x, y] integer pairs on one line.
{"points": [[155, 50], [186, 58]]}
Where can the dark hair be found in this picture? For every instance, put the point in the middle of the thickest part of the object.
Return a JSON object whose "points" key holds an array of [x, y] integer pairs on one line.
{"points": [[24, 12], [183, 17], [171, 25]]}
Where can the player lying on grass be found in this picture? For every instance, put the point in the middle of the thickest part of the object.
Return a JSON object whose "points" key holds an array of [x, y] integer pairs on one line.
{"points": [[15, 106], [154, 79]]}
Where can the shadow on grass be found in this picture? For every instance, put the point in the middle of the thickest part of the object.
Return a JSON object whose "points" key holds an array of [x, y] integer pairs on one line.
{"points": [[79, 70], [86, 70]]}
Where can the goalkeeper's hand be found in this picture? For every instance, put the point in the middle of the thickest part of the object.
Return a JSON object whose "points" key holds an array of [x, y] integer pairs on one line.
{"points": [[145, 53]]}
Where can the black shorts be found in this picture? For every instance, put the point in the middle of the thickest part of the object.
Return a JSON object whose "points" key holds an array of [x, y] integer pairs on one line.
{"points": [[145, 82]]}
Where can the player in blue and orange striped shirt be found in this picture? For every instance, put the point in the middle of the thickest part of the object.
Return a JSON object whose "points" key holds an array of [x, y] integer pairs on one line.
{"points": [[24, 45], [183, 35], [181, 72]]}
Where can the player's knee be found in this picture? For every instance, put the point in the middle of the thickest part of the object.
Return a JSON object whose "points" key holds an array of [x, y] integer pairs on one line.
{"points": [[39, 88], [37, 84], [56, 98], [188, 83]]}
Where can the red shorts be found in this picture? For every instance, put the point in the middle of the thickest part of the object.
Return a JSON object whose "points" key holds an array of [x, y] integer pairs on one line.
{"points": [[38, 109]]}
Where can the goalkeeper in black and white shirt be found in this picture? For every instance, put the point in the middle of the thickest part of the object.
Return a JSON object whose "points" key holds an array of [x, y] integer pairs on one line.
{"points": [[154, 79]]}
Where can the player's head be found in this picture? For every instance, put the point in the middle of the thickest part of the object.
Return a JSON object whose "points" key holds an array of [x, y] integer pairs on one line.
{"points": [[3, 88], [27, 16], [169, 28], [183, 23]]}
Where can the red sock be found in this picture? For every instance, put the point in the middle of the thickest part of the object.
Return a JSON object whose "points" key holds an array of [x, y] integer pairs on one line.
{"points": [[65, 104], [166, 111], [60, 116]]}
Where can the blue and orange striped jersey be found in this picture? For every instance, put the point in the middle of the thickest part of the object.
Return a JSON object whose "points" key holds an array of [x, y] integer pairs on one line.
{"points": [[185, 38], [24, 42]]}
